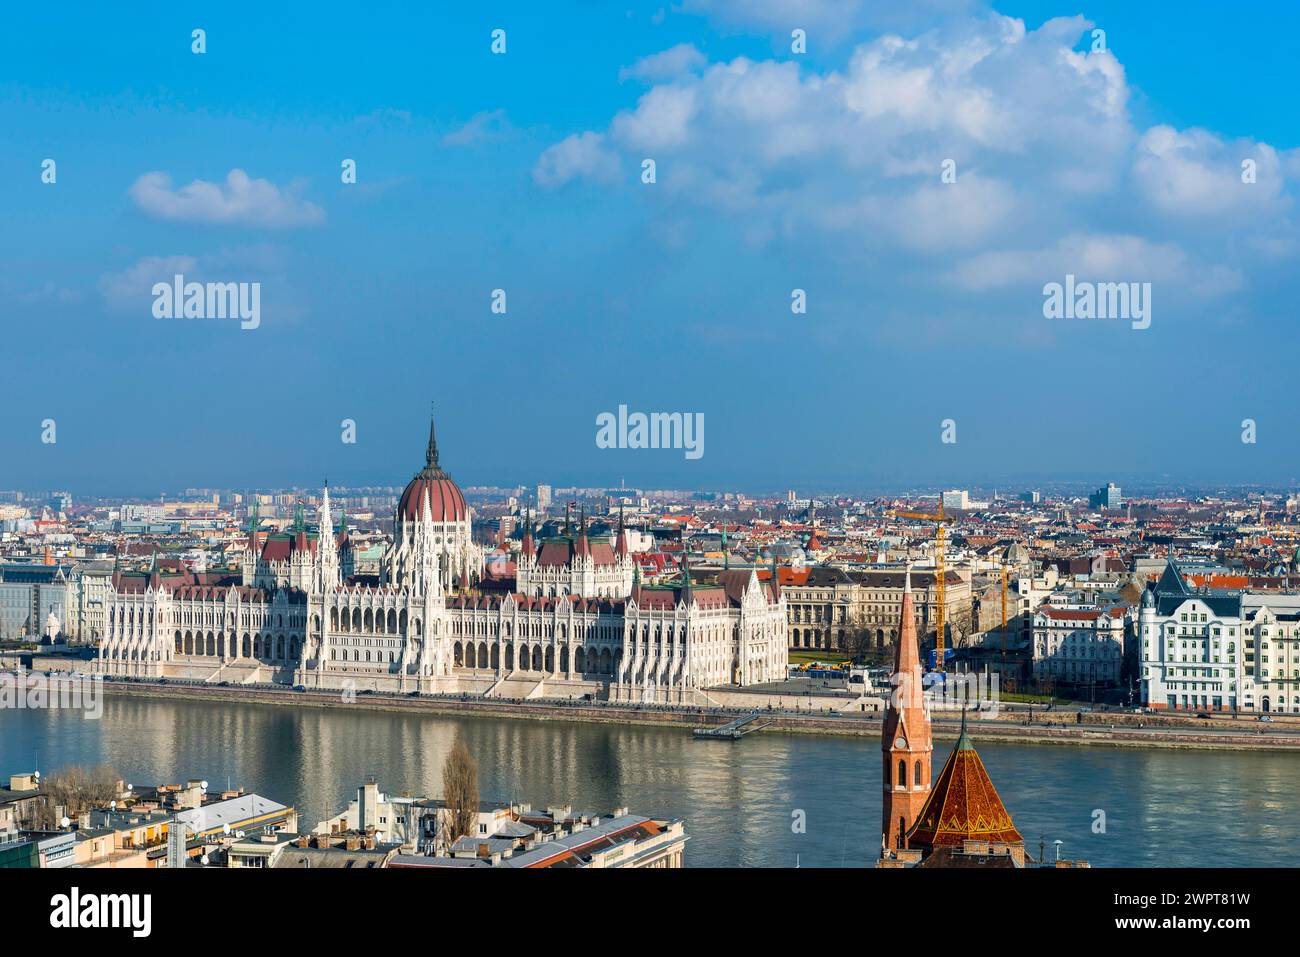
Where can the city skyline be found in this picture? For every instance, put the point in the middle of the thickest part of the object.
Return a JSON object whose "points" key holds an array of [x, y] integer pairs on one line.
{"points": [[777, 171]]}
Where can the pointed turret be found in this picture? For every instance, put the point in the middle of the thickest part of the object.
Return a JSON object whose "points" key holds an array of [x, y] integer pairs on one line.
{"points": [[907, 656], [252, 528], [621, 549], [906, 741], [688, 588], [527, 546], [327, 559], [583, 546], [431, 451], [325, 542]]}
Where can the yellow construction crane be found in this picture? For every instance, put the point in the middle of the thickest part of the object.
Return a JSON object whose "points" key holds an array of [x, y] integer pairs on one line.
{"points": [[938, 518]]}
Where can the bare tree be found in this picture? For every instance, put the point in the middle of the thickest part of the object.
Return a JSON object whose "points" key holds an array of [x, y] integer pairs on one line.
{"points": [[77, 789], [859, 640], [460, 791]]}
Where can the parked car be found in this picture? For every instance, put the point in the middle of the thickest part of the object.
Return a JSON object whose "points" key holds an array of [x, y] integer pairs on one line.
{"points": [[1202, 714], [299, 687], [1264, 717]]}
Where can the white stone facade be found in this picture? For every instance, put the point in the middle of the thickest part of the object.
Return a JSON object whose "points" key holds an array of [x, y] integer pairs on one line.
{"points": [[577, 623]]}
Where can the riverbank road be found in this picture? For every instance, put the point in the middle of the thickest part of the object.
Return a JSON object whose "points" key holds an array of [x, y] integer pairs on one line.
{"points": [[1053, 727]]}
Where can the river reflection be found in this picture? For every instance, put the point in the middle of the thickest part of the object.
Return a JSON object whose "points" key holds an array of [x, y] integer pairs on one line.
{"points": [[739, 798]]}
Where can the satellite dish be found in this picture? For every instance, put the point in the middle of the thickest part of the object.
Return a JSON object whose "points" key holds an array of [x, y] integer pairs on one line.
{"points": [[225, 829], [112, 805], [204, 785], [36, 774], [64, 822], [204, 860], [130, 787]]}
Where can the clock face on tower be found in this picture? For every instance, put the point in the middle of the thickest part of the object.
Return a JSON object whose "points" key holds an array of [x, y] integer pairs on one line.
{"points": [[900, 743]]}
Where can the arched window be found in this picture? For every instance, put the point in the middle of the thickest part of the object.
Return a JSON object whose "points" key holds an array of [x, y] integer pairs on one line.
{"points": [[902, 773], [916, 774]]}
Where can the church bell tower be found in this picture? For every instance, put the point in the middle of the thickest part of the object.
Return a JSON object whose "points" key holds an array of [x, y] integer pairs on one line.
{"points": [[906, 742]]}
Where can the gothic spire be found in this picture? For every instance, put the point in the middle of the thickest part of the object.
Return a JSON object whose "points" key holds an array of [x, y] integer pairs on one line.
{"points": [[325, 525], [431, 453], [252, 526], [526, 544]]}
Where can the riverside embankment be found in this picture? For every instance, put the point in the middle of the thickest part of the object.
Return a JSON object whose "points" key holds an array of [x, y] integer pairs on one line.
{"points": [[1108, 729]]}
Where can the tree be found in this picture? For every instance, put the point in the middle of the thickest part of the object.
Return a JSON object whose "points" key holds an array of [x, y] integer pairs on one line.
{"points": [[859, 641], [460, 792], [77, 789]]}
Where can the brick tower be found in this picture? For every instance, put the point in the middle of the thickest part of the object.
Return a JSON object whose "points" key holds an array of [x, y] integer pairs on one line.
{"points": [[905, 743]]}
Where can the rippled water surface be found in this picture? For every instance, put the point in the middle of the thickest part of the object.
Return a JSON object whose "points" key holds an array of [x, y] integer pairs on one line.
{"points": [[738, 798]]}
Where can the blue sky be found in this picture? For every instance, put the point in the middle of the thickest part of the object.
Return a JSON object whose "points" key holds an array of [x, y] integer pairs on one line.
{"points": [[775, 171]]}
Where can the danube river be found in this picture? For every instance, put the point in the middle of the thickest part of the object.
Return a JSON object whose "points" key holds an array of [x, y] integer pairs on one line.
{"points": [[741, 800]]}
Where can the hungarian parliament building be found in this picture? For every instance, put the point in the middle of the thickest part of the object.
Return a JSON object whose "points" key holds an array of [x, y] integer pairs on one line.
{"points": [[578, 621]]}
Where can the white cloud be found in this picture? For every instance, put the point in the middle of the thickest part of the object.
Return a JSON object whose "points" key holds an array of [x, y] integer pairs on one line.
{"points": [[1052, 171], [480, 128], [239, 201], [1194, 173], [1100, 258], [584, 154], [130, 290], [673, 62]]}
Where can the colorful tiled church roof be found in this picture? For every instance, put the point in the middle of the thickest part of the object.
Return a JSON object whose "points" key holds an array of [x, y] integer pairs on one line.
{"points": [[963, 805]]}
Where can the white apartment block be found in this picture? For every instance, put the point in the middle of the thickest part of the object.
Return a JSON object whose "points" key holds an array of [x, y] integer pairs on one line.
{"points": [[1215, 650]]}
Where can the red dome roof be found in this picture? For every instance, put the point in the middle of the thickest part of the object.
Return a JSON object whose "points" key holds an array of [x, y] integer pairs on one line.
{"points": [[446, 503]]}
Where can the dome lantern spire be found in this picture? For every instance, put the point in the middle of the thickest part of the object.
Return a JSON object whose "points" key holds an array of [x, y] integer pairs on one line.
{"points": [[431, 452]]}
